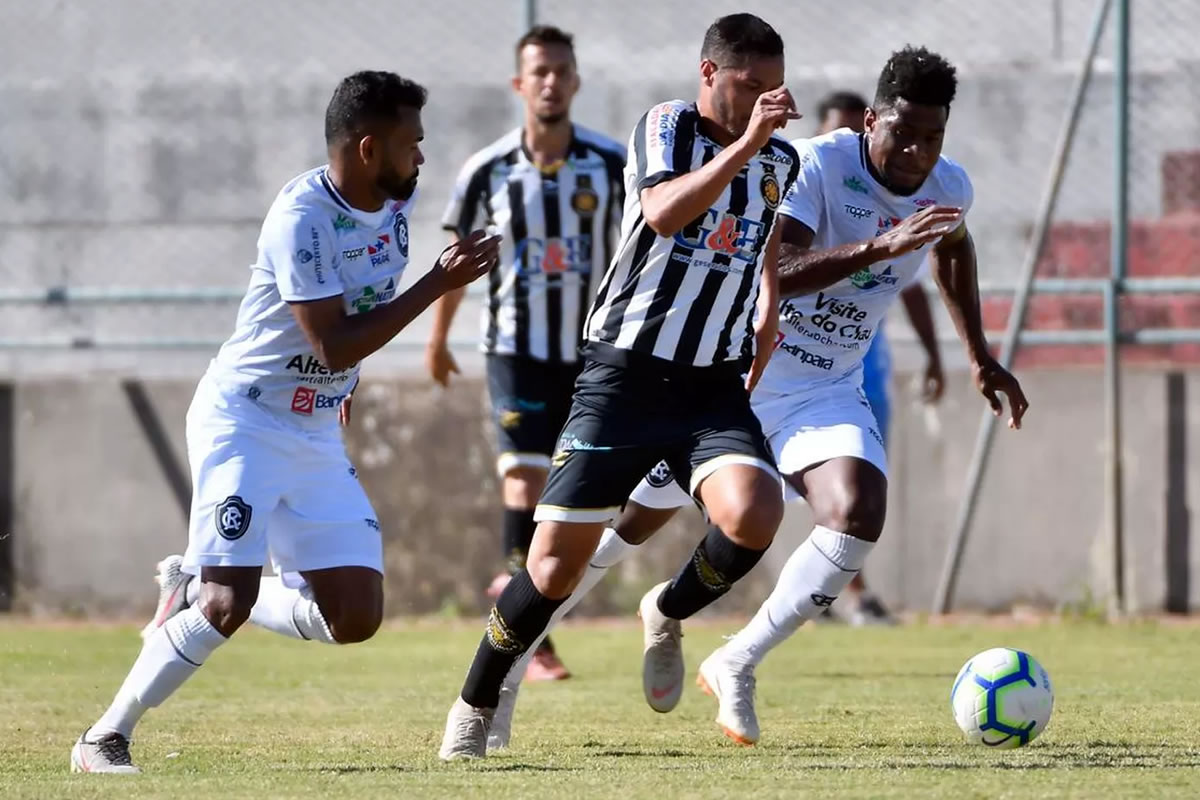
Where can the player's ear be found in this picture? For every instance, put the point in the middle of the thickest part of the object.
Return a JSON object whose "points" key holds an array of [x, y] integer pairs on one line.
{"points": [[366, 148], [869, 120], [708, 68], [516, 83]]}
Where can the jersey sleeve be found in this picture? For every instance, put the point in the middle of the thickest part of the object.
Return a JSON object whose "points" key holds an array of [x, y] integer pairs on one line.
{"points": [[465, 199], [805, 198], [662, 143], [298, 244]]}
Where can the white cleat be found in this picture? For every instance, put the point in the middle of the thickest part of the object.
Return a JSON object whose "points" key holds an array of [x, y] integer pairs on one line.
{"points": [[172, 592], [108, 753], [733, 686], [466, 732], [500, 732], [662, 655]]}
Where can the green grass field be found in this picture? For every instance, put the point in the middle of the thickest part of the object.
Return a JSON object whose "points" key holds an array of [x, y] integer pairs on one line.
{"points": [[845, 713]]}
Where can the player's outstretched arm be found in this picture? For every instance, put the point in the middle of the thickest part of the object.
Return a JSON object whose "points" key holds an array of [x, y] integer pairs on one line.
{"points": [[668, 206], [955, 270], [804, 271], [341, 340]]}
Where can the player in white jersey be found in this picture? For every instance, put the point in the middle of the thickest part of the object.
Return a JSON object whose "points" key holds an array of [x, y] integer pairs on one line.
{"points": [[854, 234], [270, 474], [844, 109], [554, 190], [666, 344]]}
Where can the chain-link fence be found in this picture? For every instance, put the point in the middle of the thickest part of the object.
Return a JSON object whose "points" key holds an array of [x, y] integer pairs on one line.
{"points": [[143, 141]]}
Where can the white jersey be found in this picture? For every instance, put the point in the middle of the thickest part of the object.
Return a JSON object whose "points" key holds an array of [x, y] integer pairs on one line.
{"points": [[824, 336], [313, 245]]}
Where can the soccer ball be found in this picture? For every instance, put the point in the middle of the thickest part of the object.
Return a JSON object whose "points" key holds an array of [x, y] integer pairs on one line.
{"points": [[1002, 698]]}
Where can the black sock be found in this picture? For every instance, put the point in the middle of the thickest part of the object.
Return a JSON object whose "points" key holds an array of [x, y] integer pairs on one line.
{"points": [[712, 570], [520, 614], [518, 534]]}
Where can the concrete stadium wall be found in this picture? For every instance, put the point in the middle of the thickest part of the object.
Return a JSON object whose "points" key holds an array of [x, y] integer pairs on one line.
{"points": [[94, 511]]}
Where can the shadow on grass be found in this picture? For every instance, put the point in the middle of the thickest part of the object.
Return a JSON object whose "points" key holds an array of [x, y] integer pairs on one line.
{"points": [[1045, 756]]}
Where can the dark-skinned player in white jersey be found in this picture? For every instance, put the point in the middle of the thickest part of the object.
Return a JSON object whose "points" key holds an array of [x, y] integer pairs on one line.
{"points": [[863, 213], [667, 344], [554, 190]]}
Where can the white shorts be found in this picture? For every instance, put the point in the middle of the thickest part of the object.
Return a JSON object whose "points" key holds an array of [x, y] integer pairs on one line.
{"points": [[802, 430], [263, 490]]}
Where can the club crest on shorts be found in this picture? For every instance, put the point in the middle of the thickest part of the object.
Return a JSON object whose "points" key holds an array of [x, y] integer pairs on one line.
{"points": [[660, 476], [232, 517]]}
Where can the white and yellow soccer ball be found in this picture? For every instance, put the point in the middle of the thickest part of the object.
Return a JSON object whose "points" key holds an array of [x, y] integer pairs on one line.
{"points": [[1002, 698]]}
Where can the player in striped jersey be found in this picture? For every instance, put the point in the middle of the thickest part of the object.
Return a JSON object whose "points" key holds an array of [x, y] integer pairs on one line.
{"points": [[668, 340], [555, 190], [864, 213]]}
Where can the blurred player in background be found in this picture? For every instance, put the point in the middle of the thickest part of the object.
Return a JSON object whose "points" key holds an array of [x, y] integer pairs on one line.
{"points": [[554, 189], [667, 343], [854, 231], [269, 469], [845, 109]]}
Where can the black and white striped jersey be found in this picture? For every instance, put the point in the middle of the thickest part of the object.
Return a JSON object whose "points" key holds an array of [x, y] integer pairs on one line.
{"points": [[557, 226], [689, 298]]}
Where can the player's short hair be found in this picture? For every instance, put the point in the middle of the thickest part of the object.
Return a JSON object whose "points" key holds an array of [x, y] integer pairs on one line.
{"points": [[734, 38], [917, 75], [849, 102], [545, 35], [366, 98]]}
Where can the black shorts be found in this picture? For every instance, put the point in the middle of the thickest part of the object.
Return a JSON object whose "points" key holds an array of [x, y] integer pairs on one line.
{"points": [[530, 401], [624, 420]]}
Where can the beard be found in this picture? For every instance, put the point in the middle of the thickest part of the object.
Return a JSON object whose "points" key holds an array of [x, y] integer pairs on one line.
{"points": [[391, 184]]}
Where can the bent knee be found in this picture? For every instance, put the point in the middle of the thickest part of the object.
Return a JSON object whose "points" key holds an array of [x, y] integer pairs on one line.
{"points": [[853, 511], [354, 625], [226, 608], [751, 519]]}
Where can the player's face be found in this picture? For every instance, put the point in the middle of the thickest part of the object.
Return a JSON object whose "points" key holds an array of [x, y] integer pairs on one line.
{"points": [[837, 118], [547, 81], [906, 142], [396, 156], [734, 90]]}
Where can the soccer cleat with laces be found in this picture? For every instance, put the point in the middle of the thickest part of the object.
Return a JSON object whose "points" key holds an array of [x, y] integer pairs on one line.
{"points": [[108, 753], [662, 655], [733, 687], [466, 734], [172, 592]]}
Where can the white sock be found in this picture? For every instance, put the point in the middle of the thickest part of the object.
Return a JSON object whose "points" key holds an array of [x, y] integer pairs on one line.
{"points": [[812, 578], [169, 657], [292, 612], [610, 552]]}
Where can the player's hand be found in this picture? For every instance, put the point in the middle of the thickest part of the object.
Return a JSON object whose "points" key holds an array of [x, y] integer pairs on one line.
{"points": [[918, 230], [440, 363], [933, 382], [466, 260], [772, 111], [990, 379]]}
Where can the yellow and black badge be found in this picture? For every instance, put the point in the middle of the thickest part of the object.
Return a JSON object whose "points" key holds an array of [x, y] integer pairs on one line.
{"points": [[770, 191], [585, 201]]}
